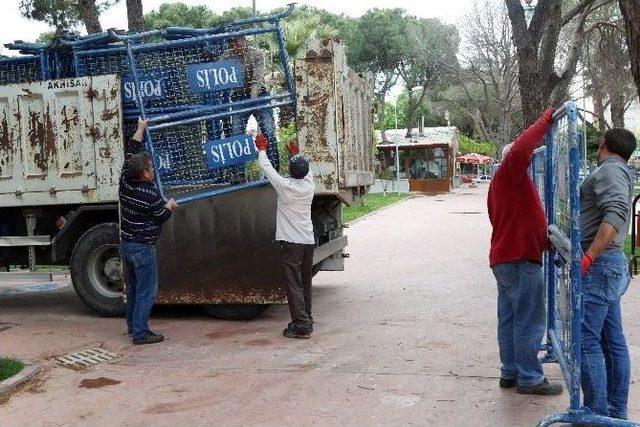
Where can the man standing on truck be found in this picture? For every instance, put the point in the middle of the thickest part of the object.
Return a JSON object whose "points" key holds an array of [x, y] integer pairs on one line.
{"points": [[294, 233], [518, 240], [605, 213], [142, 213]]}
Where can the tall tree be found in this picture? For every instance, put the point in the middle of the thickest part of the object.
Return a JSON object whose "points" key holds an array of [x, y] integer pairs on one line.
{"points": [[489, 79], [377, 45], [631, 12], [537, 47], [428, 62], [135, 16], [66, 14], [180, 15]]}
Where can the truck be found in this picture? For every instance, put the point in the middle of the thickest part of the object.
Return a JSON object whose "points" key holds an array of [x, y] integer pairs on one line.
{"points": [[61, 153]]}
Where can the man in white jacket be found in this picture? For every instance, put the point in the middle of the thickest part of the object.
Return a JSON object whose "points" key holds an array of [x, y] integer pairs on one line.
{"points": [[294, 233]]}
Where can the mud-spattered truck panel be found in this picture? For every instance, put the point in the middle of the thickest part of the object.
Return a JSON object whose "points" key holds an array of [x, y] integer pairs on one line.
{"points": [[334, 120], [60, 141]]}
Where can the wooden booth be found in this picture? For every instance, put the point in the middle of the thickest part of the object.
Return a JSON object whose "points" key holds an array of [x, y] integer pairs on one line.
{"points": [[427, 160]]}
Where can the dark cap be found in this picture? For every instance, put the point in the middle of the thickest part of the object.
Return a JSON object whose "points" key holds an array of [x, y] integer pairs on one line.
{"points": [[298, 167]]}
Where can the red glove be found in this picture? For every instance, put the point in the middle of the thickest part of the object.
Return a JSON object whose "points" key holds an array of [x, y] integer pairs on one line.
{"points": [[261, 142], [293, 148], [548, 115], [587, 261]]}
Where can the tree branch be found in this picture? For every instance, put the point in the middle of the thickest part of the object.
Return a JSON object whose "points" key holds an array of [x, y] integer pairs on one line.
{"points": [[577, 9]]}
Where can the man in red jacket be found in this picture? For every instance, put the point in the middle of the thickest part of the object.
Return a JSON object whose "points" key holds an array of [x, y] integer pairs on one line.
{"points": [[518, 240]]}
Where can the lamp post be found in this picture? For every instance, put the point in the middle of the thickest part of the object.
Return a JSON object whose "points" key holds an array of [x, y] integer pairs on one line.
{"points": [[395, 139], [447, 117], [254, 8]]}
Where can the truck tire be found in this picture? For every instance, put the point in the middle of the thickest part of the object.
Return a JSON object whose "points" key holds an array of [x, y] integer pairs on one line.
{"points": [[95, 270], [235, 311]]}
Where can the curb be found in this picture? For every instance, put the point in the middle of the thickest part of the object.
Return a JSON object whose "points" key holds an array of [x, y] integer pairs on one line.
{"points": [[26, 374], [363, 217]]}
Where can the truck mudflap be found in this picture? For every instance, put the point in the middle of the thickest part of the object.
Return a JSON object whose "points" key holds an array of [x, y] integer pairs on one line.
{"points": [[221, 250]]}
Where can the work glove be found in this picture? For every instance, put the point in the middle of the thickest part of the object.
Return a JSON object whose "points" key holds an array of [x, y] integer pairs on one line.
{"points": [[586, 263], [548, 115], [261, 142], [293, 148]]}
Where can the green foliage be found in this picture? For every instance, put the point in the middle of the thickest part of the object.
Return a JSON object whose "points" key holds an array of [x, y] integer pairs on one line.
{"points": [[371, 203], [286, 135], [9, 367], [46, 37], [180, 15], [61, 14], [377, 42], [469, 145]]}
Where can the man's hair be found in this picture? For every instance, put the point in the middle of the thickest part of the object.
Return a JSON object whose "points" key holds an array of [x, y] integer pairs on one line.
{"points": [[621, 142], [138, 164]]}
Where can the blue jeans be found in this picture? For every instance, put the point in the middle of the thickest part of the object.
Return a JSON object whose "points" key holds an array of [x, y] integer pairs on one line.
{"points": [[521, 320], [606, 368], [141, 277]]}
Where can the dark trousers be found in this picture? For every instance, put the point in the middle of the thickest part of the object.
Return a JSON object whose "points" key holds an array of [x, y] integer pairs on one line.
{"points": [[141, 277], [297, 265]]}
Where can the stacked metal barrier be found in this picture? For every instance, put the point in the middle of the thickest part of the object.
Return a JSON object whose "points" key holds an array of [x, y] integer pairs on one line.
{"points": [[198, 89], [558, 182]]}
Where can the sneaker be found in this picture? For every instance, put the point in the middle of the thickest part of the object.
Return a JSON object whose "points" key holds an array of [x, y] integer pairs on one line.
{"points": [[545, 388], [295, 333], [508, 382], [149, 338]]}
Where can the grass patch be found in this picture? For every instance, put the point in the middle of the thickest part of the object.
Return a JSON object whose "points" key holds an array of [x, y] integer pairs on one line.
{"points": [[371, 203], [9, 367], [627, 246]]}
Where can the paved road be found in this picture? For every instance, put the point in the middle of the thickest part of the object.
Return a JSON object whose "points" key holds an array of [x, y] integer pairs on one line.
{"points": [[405, 336]]}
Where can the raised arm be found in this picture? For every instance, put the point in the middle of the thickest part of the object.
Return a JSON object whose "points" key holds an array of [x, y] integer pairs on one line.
{"points": [[519, 157]]}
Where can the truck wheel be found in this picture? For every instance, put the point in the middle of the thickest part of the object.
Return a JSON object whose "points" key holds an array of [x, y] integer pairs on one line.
{"points": [[235, 311], [95, 270]]}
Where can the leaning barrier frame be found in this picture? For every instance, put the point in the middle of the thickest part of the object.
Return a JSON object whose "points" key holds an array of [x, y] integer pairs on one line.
{"points": [[194, 113], [555, 167], [183, 121]]}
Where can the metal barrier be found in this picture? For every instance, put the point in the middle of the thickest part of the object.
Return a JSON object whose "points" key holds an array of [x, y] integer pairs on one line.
{"points": [[198, 89], [562, 263]]}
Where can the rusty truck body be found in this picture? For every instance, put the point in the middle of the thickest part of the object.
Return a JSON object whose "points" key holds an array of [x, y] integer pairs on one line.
{"points": [[61, 153]]}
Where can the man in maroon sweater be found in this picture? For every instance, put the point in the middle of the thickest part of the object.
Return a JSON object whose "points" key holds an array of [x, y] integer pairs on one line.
{"points": [[518, 240]]}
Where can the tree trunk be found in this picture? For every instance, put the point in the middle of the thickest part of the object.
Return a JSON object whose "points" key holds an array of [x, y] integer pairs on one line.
{"points": [[598, 109], [90, 16], [530, 90], [631, 12], [135, 16], [617, 102]]}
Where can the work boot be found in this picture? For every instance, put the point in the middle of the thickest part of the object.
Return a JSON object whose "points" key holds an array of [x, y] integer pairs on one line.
{"points": [[508, 382], [149, 338], [545, 388], [291, 332], [290, 326]]}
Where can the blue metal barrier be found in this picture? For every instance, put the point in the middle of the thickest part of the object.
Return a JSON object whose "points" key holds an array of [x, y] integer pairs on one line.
{"points": [[198, 90], [561, 195]]}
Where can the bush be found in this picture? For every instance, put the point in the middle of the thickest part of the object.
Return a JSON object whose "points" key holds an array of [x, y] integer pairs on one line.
{"points": [[469, 145]]}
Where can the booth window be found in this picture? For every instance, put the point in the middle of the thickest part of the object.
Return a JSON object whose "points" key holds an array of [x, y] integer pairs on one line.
{"points": [[428, 163]]}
